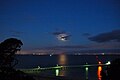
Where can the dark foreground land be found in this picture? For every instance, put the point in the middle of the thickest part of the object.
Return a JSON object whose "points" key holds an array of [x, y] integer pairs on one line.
{"points": [[53, 78], [33, 77]]}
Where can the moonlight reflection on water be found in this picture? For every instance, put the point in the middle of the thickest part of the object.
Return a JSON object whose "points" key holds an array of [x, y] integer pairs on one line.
{"points": [[62, 59]]}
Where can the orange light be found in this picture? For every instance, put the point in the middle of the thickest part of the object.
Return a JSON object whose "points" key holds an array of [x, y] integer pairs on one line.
{"points": [[62, 59], [99, 72]]}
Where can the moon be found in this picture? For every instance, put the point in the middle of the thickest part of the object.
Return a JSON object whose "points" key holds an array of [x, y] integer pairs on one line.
{"points": [[62, 37]]}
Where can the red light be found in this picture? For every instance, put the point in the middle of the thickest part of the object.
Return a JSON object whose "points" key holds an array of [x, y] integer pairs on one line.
{"points": [[99, 62]]}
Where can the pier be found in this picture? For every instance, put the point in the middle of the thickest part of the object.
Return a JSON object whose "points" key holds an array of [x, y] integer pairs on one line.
{"points": [[38, 69]]}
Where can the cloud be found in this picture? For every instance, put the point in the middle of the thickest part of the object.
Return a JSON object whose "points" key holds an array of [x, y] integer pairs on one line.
{"points": [[111, 45], [107, 37]]}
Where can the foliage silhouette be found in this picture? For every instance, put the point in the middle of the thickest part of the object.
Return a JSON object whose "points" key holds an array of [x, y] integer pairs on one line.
{"points": [[112, 71], [8, 48]]}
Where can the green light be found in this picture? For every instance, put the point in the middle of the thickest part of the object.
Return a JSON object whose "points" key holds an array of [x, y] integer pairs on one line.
{"points": [[86, 70], [57, 72]]}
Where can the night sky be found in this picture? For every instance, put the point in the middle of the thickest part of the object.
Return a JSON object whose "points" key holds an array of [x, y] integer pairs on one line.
{"points": [[91, 23]]}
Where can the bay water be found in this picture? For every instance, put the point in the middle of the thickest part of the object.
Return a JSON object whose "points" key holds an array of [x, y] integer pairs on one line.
{"points": [[82, 73]]}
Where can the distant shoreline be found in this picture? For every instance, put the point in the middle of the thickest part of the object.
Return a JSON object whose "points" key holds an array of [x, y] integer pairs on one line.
{"points": [[70, 54]]}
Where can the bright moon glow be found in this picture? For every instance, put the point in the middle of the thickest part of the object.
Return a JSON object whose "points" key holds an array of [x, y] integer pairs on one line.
{"points": [[62, 37]]}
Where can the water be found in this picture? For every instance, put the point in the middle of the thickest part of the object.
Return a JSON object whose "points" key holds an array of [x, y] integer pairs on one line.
{"points": [[91, 73]]}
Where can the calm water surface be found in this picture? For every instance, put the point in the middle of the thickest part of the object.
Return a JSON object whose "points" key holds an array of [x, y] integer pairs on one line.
{"points": [[90, 73]]}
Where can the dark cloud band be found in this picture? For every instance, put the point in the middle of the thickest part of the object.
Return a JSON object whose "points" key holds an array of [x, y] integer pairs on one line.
{"points": [[107, 37]]}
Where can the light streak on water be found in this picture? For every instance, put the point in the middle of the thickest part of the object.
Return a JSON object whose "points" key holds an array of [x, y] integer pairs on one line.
{"points": [[62, 59], [57, 72], [99, 72], [86, 70]]}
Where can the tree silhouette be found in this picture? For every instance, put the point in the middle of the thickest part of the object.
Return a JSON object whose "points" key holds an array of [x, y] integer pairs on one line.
{"points": [[8, 48], [114, 69]]}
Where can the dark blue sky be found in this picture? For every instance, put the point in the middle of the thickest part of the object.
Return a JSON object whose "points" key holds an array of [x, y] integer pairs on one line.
{"points": [[34, 21]]}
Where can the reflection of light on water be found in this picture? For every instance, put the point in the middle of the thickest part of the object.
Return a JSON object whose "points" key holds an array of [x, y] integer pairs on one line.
{"points": [[57, 72], [99, 71], [62, 59], [86, 70], [62, 73]]}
